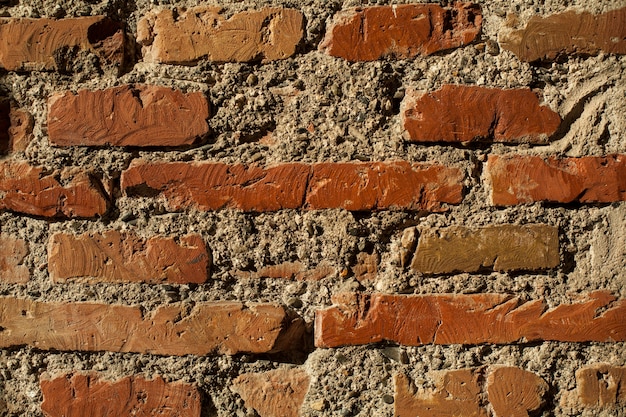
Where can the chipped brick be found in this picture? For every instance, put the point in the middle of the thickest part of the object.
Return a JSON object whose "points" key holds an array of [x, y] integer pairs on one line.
{"points": [[601, 385], [514, 392], [13, 253], [290, 271], [21, 130]]}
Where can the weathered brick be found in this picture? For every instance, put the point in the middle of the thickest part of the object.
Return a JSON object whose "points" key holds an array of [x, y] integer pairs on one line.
{"points": [[187, 36], [34, 190], [13, 253], [514, 392], [127, 115], [457, 393], [457, 113], [174, 329], [21, 129], [401, 31], [366, 266], [35, 44], [601, 385], [277, 393], [290, 270], [125, 257], [359, 319], [501, 247], [568, 33], [519, 179], [352, 186], [5, 124], [80, 395]]}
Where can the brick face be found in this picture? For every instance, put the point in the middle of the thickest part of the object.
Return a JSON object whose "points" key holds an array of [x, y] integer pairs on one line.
{"points": [[514, 392], [13, 252], [502, 248], [359, 319], [569, 33], [125, 257], [80, 395], [127, 116], [601, 385], [400, 31], [5, 124], [175, 329], [34, 190], [352, 186], [519, 179], [457, 113], [201, 32], [31, 44]]}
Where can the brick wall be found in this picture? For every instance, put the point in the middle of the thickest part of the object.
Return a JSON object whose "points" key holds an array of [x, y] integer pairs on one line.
{"points": [[312, 208]]}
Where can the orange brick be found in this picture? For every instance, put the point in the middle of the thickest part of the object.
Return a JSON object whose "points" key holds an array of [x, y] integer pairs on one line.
{"points": [[125, 257], [457, 113], [13, 252], [187, 36], [175, 329], [5, 124], [21, 130], [80, 395], [127, 116], [601, 385], [401, 31], [514, 392]]}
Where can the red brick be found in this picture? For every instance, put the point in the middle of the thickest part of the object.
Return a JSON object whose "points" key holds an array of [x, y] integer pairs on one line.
{"points": [[514, 392], [34, 190], [359, 319], [81, 395], [127, 116], [352, 186], [601, 385], [278, 393], [187, 36], [13, 253], [366, 267], [568, 33], [503, 248], [401, 31], [31, 44], [457, 113], [174, 329], [5, 124], [125, 257], [21, 130], [519, 179], [456, 393], [289, 270]]}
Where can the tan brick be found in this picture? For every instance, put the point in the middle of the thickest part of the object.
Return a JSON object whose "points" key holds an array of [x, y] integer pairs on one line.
{"points": [[501, 247], [358, 319], [291, 271], [175, 329], [601, 385], [400, 31], [31, 44], [125, 257], [39, 192], [277, 393], [457, 113], [80, 395], [13, 253], [21, 130], [568, 33], [519, 179], [5, 124], [127, 116], [514, 392], [187, 36]]}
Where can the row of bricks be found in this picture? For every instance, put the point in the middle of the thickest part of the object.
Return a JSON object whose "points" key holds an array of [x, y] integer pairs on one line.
{"points": [[355, 319], [115, 256], [510, 391], [355, 186], [361, 34]]}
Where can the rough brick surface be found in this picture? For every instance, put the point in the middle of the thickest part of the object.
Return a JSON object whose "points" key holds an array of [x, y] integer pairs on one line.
{"points": [[278, 393], [21, 130], [519, 179], [352, 186], [456, 113], [127, 116], [359, 319], [5, 124], [601, 385], [502, 248], [13, 253], [514, 392], [290, 270], [456, 394], [547, 38], [175, 329], [34, 44], [36, 191], [201, 32], [87, 395], [400, 31], [125, 257]]}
